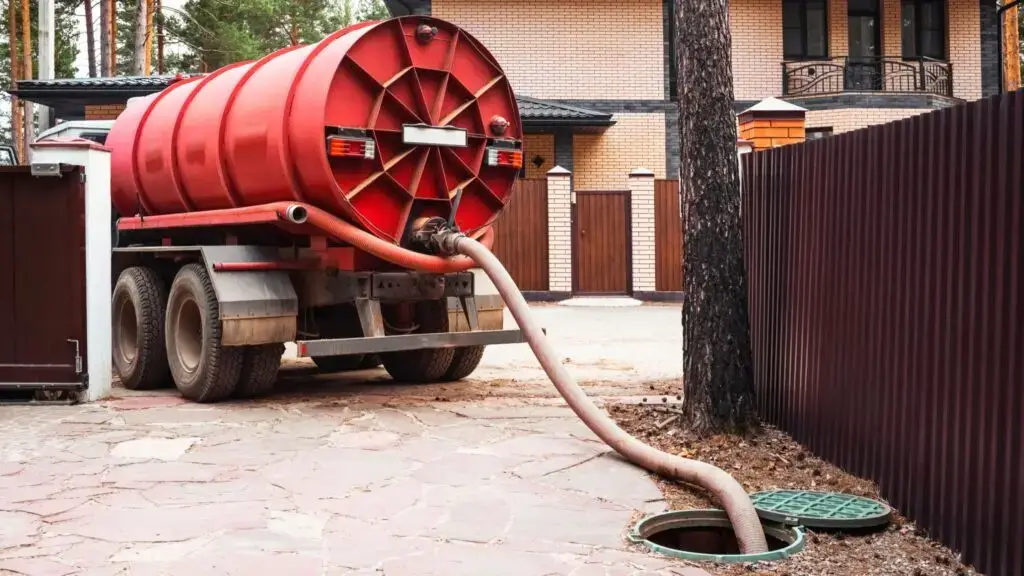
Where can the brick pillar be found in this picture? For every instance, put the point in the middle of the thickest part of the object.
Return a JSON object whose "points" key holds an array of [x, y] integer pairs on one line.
{"points": [[773, 122], [559, 230], [641, 199]]}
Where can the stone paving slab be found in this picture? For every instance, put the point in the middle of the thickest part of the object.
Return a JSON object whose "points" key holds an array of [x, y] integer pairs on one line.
{"points": [[150, 486]]}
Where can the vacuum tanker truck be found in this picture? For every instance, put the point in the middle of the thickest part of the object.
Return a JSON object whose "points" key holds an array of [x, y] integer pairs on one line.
{"points": [[291, 199]]}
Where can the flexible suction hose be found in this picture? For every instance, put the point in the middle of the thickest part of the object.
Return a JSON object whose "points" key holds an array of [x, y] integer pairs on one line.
{"points": [[725, 488], [729, 492]]}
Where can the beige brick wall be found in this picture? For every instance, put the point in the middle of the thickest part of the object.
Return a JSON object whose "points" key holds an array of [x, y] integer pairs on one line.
{"points": [[559, 233], [892, 31], [603, 161], [572, 49], [838, 28], [542, 145], [848, 119], [756, 48], [965, 47], [641, 187], [103, 111]]}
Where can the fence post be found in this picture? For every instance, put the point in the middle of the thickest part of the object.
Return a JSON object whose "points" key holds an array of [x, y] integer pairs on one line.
{"points": [[773, 122], [641, 204], [560, 230]]}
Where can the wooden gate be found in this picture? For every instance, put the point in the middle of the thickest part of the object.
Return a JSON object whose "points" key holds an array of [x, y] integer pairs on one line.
{"points": [[602, 247], [521, 235], [42, 296]]}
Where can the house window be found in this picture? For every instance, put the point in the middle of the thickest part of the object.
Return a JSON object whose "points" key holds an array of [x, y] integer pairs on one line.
{"points": [[818, 133], [924, 29], [804, 29]]}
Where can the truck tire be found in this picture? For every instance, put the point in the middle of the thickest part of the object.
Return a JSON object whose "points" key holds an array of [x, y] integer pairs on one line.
{"points": [[339, 322], [428, 364], [259, 370], [464, 362], [204, 370], [139, 303], [332, 364], [370, 361]]}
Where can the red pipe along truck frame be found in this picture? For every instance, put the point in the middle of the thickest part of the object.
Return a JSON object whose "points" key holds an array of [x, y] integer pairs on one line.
{"points": [[281, 200]]}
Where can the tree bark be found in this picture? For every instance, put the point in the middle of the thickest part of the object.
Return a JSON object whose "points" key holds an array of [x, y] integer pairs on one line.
{"points": [[149, 38], [159, 38], [112, 11], [1011, 49], [28, 115], [90, 38], [12, 43], [104, 37], [718, 379], [139, 48]]}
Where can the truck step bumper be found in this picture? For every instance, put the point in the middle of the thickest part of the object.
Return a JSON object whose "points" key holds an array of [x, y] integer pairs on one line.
{"points": [[345, 346]]}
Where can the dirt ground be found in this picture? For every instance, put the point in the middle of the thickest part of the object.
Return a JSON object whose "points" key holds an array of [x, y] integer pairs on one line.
{"points": [[769, 459]]}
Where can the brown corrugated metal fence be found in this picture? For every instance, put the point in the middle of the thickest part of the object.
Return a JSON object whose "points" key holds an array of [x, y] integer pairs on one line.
{"points": [[668, 237], [521, 235], [886, 311]]}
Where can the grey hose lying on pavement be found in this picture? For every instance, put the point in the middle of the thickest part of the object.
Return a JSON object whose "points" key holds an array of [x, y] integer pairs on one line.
{"points": [[729, 492]]}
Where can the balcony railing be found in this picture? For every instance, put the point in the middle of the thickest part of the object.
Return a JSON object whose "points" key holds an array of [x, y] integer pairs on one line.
{"points": [[846, 74]]}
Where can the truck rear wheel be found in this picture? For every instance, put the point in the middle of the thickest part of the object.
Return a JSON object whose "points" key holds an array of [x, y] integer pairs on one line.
{"points": [[428, 364], [339, 321], [259, 370], [332, 364], [139, 302], [204, 370], [464, 362]]}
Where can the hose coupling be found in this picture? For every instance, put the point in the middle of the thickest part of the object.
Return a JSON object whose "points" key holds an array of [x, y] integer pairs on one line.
{"points": [[437, 236]]}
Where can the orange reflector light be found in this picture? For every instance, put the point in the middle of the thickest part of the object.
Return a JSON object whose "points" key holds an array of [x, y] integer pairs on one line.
{"points": [[351, 148], [505, 157]]}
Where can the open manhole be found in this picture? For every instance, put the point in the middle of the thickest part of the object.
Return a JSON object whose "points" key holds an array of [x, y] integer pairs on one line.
{"points": [[707, 535], [827, 510]]}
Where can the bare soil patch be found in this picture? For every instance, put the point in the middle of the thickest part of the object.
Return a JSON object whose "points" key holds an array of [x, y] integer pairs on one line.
{"points": [[769, 459]]}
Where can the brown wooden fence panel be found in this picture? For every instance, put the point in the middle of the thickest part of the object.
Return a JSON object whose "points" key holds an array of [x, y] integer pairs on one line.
{"points": [[521, 235], [668, 237], [886, 314]]}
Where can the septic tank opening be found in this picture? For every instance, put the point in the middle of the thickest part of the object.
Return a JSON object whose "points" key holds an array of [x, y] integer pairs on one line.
{"points": [[708, 535], [706, 540]]}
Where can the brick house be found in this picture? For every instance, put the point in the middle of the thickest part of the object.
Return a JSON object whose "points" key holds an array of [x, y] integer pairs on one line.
{"points": [[848, 63], [596, 87]]}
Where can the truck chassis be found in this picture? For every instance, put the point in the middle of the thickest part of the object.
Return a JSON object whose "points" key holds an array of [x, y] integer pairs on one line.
{"points": [[213, 318]]}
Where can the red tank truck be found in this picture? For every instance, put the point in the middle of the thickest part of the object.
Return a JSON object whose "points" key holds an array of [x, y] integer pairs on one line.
{"points": [[287, 200]]}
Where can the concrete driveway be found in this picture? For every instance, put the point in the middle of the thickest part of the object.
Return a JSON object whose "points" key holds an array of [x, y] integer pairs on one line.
{"points": [[347, 474]]}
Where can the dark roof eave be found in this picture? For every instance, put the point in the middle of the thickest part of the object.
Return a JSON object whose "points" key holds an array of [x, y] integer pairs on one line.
{"points": [[568, 122]]}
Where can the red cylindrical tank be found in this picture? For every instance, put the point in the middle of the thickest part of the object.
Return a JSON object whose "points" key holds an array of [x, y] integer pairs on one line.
{"points": [[380, 123]]}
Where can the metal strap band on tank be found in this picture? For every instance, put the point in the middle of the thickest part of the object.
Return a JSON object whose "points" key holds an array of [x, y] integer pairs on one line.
{"points": [[286, 145], [176, 178], [225, 174]]}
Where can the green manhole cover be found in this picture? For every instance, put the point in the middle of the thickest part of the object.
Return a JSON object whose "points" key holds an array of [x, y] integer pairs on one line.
{"points": [[820, 509]]}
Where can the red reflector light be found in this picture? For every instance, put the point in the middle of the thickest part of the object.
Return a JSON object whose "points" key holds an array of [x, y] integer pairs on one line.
{"points": [[505, 157], [351, 148]]}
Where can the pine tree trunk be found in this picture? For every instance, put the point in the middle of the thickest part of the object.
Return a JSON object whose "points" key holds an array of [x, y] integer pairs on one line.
{"points": [[12, 43], [139, 48], [718, 380], [104, 37], [28, 114], [112, 10], [159, 38], [90, 38]]}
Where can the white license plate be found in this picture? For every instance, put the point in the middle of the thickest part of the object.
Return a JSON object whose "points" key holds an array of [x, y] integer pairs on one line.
{"points": [[434, 136]]}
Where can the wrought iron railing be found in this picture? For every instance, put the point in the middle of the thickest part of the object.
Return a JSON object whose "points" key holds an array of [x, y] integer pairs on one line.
{"points": [[881, 74]]}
